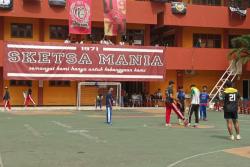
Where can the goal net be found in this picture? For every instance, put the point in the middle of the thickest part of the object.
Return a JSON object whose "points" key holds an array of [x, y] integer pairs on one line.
{"points": [[88, 91]]}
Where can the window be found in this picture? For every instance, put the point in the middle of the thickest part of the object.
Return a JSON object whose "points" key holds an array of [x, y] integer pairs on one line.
{"points": [[58, 32], [168, 40], [60, 3], [207, 2], [20, 30], [242, 4], [59, 83], [135, 37], [20, 83], [207, 40]]}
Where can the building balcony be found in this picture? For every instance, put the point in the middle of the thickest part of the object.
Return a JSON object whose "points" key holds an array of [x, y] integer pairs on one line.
{"points": [[206, 16], [197, 59]]}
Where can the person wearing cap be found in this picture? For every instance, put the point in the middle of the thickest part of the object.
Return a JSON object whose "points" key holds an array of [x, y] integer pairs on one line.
{"points": [[231, 98], [170, 105], [6, 99]]}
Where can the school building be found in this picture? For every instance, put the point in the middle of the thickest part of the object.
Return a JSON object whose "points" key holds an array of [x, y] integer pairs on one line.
{"points": [[149, 23]]}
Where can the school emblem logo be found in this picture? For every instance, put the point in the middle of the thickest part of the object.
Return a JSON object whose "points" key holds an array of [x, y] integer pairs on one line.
{"points": [[80, 14], [178, 7]]}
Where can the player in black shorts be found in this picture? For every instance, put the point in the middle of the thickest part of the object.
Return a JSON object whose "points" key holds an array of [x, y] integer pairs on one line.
{"points": [[231, 97]]}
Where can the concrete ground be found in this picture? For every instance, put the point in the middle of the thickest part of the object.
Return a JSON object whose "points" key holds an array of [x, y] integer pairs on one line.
{"points": [[64, 137]]}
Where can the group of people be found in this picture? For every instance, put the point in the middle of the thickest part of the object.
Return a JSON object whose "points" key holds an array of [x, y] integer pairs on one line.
{"points": [[104, 41], [198, 107], [27, 99], [199, 99]]}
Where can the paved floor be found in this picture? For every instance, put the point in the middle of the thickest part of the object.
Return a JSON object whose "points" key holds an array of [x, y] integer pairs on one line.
{"points": [[136, 139]]}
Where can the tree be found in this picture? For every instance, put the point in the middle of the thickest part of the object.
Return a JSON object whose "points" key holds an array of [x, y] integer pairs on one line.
{"points": [[241, 51]]}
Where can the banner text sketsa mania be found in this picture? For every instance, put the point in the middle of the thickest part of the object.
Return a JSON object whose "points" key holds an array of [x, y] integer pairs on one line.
{"points": [[84, 58]]}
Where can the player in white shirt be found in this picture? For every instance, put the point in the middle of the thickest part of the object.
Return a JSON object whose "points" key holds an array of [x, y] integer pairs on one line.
{"points": [[195, 102]]}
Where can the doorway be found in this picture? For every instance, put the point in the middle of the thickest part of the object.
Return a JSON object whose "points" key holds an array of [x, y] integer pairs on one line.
{"points": [[246, 89]]}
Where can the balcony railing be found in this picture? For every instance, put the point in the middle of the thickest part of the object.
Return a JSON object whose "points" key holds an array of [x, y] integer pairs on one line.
{"points": [[242, 4], [206, 16]]}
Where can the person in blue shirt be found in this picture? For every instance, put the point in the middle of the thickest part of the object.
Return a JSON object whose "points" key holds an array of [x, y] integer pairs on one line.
{"points": [[204, 97], [181, 101], [109, 102]]}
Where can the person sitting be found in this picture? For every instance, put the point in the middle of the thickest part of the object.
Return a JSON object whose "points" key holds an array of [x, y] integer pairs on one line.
{"points": [[109, 42], [121, 43], [67, 40], [158, 97]]}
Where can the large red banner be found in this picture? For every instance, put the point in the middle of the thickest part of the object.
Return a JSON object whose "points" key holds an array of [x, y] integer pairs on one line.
{"points": [[114, 17], [49, 61], [80, 16]]}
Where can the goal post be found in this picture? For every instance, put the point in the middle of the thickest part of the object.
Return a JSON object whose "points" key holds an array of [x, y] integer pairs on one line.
{"points": [[87, 92]]}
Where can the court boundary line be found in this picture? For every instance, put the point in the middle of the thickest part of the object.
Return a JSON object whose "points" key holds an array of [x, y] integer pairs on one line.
{"points": [[32, 130], [61, 124], [1, 161], [82, 132], [193, 156]]}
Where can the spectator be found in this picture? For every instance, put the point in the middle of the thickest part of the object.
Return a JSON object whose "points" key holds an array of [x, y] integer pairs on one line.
{"points": [[67, 40], [109, 42], [123, 93], [82, 42], [6, 99], [121, 43], [158, 97], [28, 98], [99, 101], [198, 43]]}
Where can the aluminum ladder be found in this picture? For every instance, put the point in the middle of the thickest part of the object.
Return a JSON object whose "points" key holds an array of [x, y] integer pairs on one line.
{"points": [[229, 75]]}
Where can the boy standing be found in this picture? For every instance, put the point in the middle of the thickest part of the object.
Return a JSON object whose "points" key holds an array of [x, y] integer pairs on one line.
{"points": [[109, 102], [231, 98], [6, 99], [195, 102], [203, 103], [181, 101], [170, 105]]}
